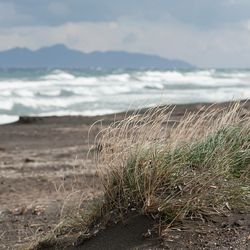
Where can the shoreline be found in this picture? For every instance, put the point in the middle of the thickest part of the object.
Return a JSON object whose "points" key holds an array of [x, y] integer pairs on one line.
{"points": [[70, 119]]}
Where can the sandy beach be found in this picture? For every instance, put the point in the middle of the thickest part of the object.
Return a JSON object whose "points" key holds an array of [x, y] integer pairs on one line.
{"points": [[45, 172]]}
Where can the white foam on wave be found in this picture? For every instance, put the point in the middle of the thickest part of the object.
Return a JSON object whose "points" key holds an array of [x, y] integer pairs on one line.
{"points": [[49, 92], [5, 119], [41, 103], [65, 92], [6, 104], [116, 78], [5, 93], [82, 113], [14, 85], [80, 81], [58, 75], [203, 78], [24, 93]]}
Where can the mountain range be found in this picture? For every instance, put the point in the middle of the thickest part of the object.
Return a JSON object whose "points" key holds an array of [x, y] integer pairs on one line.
{"points": [[60, 56]]}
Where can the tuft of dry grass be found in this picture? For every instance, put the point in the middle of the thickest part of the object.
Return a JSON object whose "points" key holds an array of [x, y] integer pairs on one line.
{"points": [[199, 165], [154, 165], [72, 229]]}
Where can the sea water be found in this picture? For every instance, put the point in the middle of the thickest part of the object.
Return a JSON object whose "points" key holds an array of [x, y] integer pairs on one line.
{"points": [[60, 92]]}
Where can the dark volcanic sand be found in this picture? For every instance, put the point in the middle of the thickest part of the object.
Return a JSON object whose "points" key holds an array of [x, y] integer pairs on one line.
{"points": [[217, 232], [43, 163]]}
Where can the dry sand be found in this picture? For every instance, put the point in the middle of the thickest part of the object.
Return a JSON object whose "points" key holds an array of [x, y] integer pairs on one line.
{"points": [[44, 164]]}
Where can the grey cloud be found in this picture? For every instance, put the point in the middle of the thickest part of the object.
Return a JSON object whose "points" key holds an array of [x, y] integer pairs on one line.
{"points": [[54, 13], [58, 8], [200, 13], [205, 32], [11, 16]]}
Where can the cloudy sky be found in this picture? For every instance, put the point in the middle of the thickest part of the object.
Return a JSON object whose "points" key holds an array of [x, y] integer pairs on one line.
{"points": [[208, 33]]}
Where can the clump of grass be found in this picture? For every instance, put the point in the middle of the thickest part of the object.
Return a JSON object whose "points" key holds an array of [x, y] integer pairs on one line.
{"points": [[151, 164], [198, 165]]}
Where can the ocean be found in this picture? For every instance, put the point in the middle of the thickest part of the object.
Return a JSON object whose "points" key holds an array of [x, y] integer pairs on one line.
{"points": [[95, 92]]}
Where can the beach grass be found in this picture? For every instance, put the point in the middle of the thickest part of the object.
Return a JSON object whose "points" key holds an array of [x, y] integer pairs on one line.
{"points": [[171, 170], [198, 165]]}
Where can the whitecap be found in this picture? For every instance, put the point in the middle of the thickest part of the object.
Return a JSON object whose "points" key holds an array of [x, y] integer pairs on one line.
{"points": [[6, 119], [58, 75]]}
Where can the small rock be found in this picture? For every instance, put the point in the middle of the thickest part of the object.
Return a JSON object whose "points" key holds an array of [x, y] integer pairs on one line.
{"points": [[239, 223], [39, 229], [38, 210], [2, 149], [12, 190], [19, 211], [26, 225], [27, 160], [224, 224]]}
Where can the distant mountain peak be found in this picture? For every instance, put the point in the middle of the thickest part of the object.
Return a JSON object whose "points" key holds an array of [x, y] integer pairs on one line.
{"points": [[60, 56], [55, 47]]}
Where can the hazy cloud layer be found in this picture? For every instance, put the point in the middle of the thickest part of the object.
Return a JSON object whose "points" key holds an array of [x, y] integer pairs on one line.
{"points": [[208, 33]]}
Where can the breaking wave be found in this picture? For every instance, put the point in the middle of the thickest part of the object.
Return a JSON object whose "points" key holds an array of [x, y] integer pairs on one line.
{"points": [[96, 92]]}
